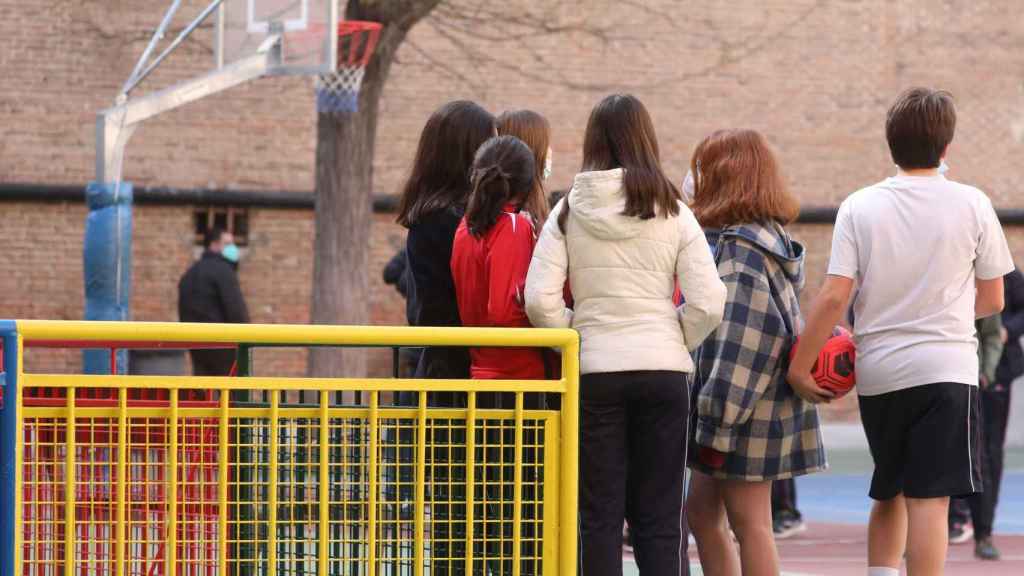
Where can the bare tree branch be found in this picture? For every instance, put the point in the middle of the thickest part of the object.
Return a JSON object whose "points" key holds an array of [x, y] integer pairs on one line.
{"points": [[444, 67], [478, 58], [645, 7], [472, 27], [88, 15], [734, 52], [511, 26]]}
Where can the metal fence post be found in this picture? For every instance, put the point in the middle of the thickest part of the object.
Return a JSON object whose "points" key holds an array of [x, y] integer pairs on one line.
{"points": [[245, 551], [10, 441]]}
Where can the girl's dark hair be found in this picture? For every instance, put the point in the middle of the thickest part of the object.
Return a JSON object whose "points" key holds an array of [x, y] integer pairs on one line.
{"points": [[439, 178], [535, 131], [620, 134], [503, 173]]}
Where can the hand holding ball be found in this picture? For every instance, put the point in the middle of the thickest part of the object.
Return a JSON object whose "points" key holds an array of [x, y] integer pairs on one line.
{"points": [[834, 368]]}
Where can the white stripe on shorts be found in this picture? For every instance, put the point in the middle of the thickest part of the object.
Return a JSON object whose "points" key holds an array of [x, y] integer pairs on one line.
{"points": [[970, 458]]}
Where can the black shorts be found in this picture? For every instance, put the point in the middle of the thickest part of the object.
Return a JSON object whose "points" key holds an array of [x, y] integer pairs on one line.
{"points": [[925, 441]]}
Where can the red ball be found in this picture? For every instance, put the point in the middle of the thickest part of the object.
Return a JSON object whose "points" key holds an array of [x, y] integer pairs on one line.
{"points": [[834, 368]]}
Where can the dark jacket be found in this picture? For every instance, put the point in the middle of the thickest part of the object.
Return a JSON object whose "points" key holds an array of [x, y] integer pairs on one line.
{"points": [[209, 292], [431, 292], [1011, 365], [745, 408], [396, 273]]}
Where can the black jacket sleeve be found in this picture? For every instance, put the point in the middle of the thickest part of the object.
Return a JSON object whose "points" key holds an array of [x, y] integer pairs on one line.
{"points": [[1013, 313], [231, 299], [394, 269], [396, 272]]}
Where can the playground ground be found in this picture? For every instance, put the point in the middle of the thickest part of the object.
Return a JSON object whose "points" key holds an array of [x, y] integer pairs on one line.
{"points": [[835, 506]]}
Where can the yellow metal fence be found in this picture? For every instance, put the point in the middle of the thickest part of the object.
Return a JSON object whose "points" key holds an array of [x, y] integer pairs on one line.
{"points": [[203, 476]]}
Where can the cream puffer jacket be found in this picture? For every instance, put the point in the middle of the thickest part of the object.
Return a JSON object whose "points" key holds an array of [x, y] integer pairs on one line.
{"points": [[621, 270]]}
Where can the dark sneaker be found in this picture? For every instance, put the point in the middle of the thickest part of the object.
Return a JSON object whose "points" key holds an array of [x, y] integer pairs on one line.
{"points": [[985, 550], [787, 525], [960, 533]]}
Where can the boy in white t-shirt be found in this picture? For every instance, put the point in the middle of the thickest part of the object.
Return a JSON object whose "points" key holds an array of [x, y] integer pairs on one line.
{"points": [[927, 256]]}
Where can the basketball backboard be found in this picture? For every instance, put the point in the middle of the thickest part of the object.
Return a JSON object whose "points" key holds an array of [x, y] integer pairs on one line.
{"points": [[308, 30]]}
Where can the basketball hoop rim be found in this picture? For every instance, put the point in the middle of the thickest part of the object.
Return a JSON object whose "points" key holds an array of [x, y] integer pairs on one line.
{"points": [[346, 27]]}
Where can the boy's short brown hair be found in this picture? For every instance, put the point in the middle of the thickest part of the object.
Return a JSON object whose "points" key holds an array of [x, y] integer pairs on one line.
{"points": [[919, 127]]}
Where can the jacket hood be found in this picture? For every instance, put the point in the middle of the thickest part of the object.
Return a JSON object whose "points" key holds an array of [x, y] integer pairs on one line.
{"points": [[597, 200], [774, 241]]}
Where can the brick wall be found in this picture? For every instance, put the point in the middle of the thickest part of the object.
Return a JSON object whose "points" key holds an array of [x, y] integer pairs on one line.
{"points": [[42, 244], [815, 76]]}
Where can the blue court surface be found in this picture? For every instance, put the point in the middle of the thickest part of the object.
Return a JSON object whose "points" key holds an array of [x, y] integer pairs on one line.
{"points": [[842, 498], [840, 494]]}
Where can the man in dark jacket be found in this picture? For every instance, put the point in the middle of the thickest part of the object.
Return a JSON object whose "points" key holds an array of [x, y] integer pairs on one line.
{"points": [[209, 292], [995, 400]]}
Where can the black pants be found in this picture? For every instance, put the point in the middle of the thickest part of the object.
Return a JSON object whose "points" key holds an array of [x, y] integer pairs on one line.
{"points": [[212, 362], [632, 459], [784, 498], [981, 507]]}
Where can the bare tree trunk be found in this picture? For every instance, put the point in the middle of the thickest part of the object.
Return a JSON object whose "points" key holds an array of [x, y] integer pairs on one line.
{"points": [[344, 188]]}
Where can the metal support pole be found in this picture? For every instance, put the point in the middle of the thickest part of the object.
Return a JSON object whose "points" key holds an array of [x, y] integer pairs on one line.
{"points": [[157, 36], [114, 126], [138, 77], [10, 446]]}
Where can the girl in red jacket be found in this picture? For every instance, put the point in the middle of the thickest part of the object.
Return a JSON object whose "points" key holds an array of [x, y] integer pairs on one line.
{"points": [[491, 255]]}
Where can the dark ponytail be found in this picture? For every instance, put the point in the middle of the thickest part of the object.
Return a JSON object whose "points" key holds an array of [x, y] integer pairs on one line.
{"points": [[503, 173]]}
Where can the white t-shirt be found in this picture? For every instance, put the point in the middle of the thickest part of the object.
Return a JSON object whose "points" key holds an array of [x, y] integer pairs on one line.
{"points": [[914, 246]]}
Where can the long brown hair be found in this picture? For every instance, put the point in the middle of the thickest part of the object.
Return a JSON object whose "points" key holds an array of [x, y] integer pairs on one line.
{"points": [[439, 178], [620, 134], [736, 179], [535, 131], [502, 174]]}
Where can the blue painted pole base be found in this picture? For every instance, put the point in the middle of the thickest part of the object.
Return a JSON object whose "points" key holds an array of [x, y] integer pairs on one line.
{"points": [[107, 258]]}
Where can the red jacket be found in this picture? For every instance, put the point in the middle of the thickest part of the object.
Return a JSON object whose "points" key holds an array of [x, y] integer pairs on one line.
{"points": [[490, 277]]}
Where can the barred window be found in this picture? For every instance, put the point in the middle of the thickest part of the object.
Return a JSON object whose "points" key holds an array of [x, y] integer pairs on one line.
{"points": [[234, 220]]}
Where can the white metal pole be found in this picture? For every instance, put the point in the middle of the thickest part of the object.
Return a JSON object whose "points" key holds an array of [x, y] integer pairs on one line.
{"points": [[157, 36]]}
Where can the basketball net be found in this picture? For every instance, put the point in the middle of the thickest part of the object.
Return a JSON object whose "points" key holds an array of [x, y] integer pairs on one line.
{"points": [[338, 91]]}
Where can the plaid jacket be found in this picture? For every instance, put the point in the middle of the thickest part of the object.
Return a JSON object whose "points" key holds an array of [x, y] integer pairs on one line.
{"points": [[745, 407]]}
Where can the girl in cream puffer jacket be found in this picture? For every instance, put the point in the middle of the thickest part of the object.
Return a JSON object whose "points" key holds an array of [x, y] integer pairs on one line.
{"points": [[622, 271], [623, 239]]}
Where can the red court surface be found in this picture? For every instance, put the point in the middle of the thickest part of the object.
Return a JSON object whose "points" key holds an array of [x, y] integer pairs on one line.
{"points": [[841, 550]]}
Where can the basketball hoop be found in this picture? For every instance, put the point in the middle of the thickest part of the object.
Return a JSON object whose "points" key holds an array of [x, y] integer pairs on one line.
{"points": [[338, 91]]}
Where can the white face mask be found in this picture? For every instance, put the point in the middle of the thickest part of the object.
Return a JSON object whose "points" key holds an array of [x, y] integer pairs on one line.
{"points": [[547, 164], [688, 188]]}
